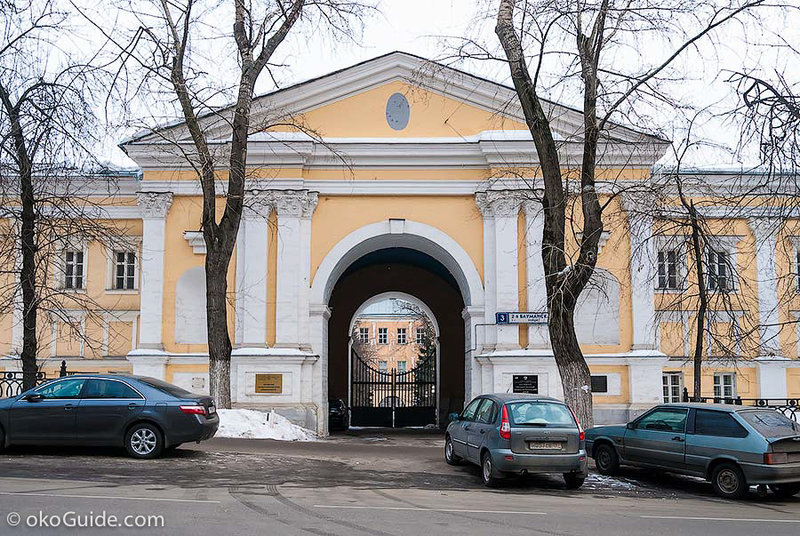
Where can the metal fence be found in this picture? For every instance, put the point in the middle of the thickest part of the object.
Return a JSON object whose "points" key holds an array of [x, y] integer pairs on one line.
{"points": [[788, 406], [11, 382]]}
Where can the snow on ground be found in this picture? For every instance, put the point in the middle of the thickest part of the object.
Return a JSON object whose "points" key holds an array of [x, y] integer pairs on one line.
{"points": [[251, 424]]}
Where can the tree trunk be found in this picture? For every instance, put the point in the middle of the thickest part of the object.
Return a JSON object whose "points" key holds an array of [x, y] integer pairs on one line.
{"points": [[571, 365], [219, 342], [697, 249]]}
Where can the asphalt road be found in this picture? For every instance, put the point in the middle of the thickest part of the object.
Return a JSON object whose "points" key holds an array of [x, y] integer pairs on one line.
{"points": [[375, 484]]}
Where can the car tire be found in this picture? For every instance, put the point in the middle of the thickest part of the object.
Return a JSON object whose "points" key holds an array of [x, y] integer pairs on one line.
{"points": [[489, 474], [449, 453], [784, 491], [606, 459], [729, 481], [573, 481], [144, 441], [2, 439]]}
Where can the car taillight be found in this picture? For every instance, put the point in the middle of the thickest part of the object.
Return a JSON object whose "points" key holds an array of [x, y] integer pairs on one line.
{"points": [[772, 458], [581, 433], [193, 410], [505, 425]]}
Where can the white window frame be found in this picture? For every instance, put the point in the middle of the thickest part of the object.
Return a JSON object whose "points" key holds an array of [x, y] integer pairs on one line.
{"points": [[669, 397], [124, 244], [795, 261], [60, 266], [383, 335], [727, 245], [363, 335], [402, 336], [405, 366], [383, 366], [677, 244], [419, 335], [719, 384]]}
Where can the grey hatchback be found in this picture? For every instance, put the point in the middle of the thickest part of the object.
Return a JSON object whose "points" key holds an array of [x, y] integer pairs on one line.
{"points": [[515, 434], [732, 446]]}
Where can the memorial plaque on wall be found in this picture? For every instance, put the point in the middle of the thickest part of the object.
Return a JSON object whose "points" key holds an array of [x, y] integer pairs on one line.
{"points": [[528, 384], [269, 383]]}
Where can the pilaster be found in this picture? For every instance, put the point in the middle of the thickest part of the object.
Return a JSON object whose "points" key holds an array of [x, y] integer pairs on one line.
{"points": [[154, 207]]}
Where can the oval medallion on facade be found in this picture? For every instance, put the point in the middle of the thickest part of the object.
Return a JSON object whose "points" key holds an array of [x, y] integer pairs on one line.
{"points": [[397, 111]]}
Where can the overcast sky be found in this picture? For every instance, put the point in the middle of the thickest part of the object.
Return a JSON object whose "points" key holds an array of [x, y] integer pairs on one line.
{"points": [[417, 26]]}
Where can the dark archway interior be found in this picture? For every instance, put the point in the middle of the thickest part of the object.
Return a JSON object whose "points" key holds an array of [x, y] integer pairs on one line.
{"points": [[415, 273]]}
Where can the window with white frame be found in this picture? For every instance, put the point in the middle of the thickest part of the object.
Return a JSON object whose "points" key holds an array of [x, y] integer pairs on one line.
{"points": [[74, 269], [383, 366], [401, 367], [124, 270], [383, 335], [718, 266], [797, 268], [401, 336], [363, 335], [668, 273], [672, 386], [420, 335], [724, 385]]}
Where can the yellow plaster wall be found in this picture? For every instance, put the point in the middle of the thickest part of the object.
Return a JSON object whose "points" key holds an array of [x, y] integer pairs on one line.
{"points": [[793, 383], [746, 379], [624, 392]]}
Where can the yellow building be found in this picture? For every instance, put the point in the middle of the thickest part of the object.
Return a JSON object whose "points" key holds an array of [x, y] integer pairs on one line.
{"points": [[424, 185]]}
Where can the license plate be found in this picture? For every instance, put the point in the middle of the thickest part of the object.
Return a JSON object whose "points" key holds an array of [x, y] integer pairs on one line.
{"points": [[545, 445], [211, 410]]}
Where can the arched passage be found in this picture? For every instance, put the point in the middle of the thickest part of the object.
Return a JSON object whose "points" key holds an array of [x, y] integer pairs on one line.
{"points": [[400, 270]]}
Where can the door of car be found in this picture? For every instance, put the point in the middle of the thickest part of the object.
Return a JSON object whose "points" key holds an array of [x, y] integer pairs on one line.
{"points": [[712, 434], [658, 438], [460, 431], [106, 408], [48, 417], [480, 427]]}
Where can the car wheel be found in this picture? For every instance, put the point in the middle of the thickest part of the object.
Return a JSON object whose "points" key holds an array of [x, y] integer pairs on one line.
{"points": [[573, 481], [144, 441], [784, 491], [488, 472], [728, 481], [449, 453], [606, 459], [2, 439]]}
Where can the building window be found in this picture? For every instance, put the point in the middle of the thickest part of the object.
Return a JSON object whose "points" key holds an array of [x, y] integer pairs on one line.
{"points": [[718, 267], [668, 269], [673, 384], [724, 385], [420, 334], [73, 269], [797, 269], [383, 366], [401, 336], [124, 270], [600, 384], [363, 335], [401, 367], [383, 335]]}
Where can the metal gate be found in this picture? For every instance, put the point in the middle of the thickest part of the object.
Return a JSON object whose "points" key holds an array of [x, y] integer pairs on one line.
{"points": [[392, 399]]}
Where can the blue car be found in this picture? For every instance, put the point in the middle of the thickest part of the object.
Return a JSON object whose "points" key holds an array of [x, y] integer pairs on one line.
{"points": [[144, 415], [732, 446]]}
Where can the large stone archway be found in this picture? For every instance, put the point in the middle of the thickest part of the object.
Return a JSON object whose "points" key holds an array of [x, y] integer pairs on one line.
{"points": [[396, 256]]}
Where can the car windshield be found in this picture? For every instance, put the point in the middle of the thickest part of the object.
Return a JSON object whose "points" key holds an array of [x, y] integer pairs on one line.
{"points": [[167, 388], [771, 423], [545, 414]]}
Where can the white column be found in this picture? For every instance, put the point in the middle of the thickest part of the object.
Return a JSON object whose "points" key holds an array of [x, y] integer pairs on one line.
{"points": [[154, 207], [765, 231], [642, 270], [294, 208], [537, 292], [503, 208], [251, 273]]}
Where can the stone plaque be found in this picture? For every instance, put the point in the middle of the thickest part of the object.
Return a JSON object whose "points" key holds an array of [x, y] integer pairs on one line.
{"points": [[528, 384], [269, 383]]}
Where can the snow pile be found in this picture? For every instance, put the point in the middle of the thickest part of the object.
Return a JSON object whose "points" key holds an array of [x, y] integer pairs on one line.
{"points": [[250, 424]]}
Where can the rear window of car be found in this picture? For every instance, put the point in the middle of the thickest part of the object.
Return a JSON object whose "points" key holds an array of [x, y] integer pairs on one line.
{"points": [[167, 388], [544, 414], [770, 423]]}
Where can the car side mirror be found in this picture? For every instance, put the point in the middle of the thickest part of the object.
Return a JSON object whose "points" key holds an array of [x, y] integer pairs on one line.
{"points": [[630, 426], [33, 397], [454, 417]]}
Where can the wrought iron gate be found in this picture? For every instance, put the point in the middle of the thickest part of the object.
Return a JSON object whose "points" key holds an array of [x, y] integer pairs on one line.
{"points": [[392, 399]]}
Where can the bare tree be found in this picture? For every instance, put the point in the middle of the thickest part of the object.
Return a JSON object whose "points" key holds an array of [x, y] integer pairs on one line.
{"points": [[585, 33], [47, 132], [167, 47]]}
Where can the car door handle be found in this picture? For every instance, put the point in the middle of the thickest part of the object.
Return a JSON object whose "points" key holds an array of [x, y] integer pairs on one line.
{"points": [[678, 438], [483, 431], [133, 406], [69, 407]]}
